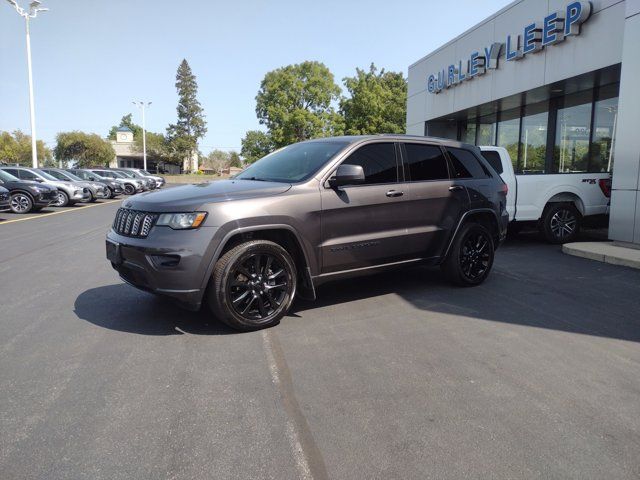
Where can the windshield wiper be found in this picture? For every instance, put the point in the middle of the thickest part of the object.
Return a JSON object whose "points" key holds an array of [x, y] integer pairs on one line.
{"points": [[254, 179]]}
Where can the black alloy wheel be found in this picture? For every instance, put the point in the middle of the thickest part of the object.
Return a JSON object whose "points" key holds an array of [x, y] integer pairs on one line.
{"points": [[257, 286], [21, 203], [470, 257], [129, 189], [475, 257], [253, 285]]}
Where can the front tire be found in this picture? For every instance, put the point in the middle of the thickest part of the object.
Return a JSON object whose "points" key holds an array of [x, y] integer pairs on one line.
{"points": [[471, 256], [21, 203], [129, 189], [253, 285], [62, 200], [560, 223]]}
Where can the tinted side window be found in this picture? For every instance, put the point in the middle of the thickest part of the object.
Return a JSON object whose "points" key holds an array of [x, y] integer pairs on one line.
{"points": [[27, 175], [494, 160], [12, 171], [465, 164], [426, 162], [378, 161]]}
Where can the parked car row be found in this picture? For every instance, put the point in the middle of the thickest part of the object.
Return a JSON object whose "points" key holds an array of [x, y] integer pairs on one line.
{"points": [[32, 189]]}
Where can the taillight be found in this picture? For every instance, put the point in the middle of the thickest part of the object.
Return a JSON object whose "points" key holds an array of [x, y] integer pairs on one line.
{"points": [[605, 186], [505, 188]]}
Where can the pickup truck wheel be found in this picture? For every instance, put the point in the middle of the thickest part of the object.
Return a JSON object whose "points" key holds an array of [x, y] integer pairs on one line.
{"points": [[560, 223], [253, 285], [471, 256]]}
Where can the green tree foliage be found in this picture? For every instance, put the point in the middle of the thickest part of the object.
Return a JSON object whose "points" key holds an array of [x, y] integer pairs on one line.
{"points": [[85, 149], [377, 102], [217, 160], [234, 159], [126, 121], [16, 148], [191, 126], [255, 145], [295, 103], [158, 148]]}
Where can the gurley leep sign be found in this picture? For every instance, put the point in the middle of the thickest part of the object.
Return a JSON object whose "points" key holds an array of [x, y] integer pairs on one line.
{"points": [[555, 28]]}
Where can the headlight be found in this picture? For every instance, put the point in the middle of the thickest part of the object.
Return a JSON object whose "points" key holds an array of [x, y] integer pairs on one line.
{"points": [[77, 192], [38, 189], [182, 221]]}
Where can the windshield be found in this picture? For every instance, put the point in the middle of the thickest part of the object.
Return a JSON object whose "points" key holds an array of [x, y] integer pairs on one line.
{"points": [[71, 176], [45, 175], [295, 163], [7, 177], [125, 174]]}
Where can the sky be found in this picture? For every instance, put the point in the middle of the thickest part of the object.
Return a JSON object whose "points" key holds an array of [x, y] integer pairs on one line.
{"points": [[92, 58]]}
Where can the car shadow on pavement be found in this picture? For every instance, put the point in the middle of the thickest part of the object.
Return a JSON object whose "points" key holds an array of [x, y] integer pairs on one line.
{"points": [[123, 308], [578, 296]]}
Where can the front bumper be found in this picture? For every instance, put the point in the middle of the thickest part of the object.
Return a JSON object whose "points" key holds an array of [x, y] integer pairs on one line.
{"points": [[168, 262]]}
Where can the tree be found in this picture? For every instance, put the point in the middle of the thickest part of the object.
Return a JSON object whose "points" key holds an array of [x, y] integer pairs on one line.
{"points": [[377, 103], [295, 103], [234, 160], [217, 160], [16, 148], [255, 145], [126, 121], [158, 148], [191, 125], [86, 149]]}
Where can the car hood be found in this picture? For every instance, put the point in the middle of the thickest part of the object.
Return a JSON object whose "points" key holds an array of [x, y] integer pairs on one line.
{"points": [[186, 198]]}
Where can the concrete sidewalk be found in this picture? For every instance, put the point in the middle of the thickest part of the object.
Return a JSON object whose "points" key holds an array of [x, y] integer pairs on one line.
{"points": [[607, 252]]}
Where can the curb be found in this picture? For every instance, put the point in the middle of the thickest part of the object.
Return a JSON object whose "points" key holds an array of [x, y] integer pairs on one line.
{"points": [[605, 252]]}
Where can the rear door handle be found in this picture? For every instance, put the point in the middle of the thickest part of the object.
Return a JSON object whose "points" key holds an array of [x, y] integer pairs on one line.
{"points": [[394, 193], [456, 188]]}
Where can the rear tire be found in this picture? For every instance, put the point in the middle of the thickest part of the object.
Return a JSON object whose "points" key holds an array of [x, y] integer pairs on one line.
{"points": [[252, 286], [560, 223], [471, 256]]}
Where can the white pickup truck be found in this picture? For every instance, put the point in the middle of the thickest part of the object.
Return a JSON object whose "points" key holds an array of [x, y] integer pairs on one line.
{"points": [[556, 202]]}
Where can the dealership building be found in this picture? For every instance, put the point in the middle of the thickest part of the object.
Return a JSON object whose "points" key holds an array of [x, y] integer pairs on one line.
{"points": [[556, 82]]}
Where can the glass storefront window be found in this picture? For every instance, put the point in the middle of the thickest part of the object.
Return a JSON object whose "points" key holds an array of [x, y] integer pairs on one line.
{"points": [[534, 140], [487, 130], [509, 134], [468, 132], [605, 123], [573, 131]]}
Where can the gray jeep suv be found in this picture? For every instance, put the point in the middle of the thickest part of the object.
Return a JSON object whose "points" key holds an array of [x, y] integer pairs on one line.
{"points": [[308, 213]]}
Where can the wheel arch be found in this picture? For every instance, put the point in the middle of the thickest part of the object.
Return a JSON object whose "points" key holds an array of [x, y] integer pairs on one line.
{"points": [[284, 235], [566, 196], [485, 217], [26, 192]]}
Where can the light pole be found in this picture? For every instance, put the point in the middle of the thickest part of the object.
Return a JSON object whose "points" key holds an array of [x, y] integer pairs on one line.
{"points": [[143, 105], [34, 8]]}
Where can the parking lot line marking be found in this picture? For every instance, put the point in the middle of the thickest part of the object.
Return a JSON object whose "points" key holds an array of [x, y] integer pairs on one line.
{"points": [[58, 213]]}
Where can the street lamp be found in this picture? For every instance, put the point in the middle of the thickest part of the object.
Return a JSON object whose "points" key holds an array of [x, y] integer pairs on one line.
{"points": [[34, 8], [143, 105]]}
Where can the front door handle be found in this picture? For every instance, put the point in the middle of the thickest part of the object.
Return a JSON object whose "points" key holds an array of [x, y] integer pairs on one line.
{"points": [[456, 188], [394, 193]]}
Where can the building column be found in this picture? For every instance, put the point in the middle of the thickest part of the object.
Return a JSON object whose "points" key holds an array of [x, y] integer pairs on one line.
{"points": [[624, 225]]}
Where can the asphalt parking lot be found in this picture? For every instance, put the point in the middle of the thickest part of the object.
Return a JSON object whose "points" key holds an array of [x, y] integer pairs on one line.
{"points": [[535, 374]]}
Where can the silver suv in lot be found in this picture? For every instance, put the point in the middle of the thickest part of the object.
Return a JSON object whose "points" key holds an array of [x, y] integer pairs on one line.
{"points": [[69, 193], [96, 190], [309, 213], [142, 174]]}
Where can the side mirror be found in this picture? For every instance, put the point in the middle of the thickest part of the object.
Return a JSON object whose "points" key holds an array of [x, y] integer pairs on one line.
{"points": [[347, 175], [39, 180], [92, 178]]}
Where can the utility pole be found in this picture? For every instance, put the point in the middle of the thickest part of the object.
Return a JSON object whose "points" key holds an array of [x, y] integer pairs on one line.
{"points": [[34, 8], [143, 105]]}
